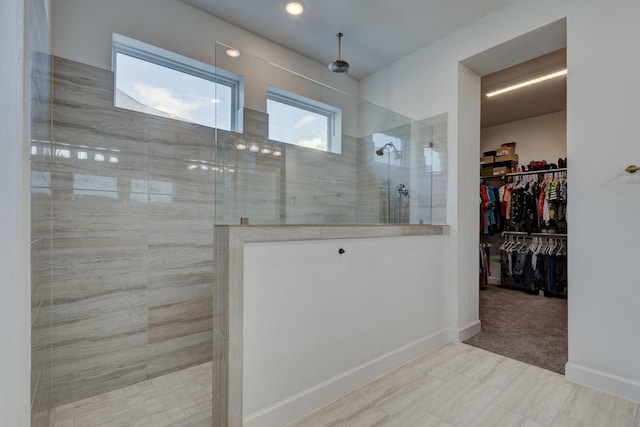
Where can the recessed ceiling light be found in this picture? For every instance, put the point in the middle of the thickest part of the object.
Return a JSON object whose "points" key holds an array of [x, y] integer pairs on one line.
{"points": [[528, 83], [234, 53], [294, 8]]}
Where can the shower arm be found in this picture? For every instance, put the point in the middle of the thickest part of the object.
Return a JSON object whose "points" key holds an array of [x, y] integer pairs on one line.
{"points": [[389, 144]]}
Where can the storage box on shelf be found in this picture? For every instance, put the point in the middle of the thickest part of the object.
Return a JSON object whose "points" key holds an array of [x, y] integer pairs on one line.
{"points": [[501, 170], [486, 170], [506, 149], [507, 158], [487, 159], [499, 166]]}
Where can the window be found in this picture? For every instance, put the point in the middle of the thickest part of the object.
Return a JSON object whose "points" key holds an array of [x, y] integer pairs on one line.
{"points": [[155, 81], [301, 121]]}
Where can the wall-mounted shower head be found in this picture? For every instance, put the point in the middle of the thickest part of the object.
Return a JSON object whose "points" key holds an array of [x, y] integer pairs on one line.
{"points": [[388, 146]]}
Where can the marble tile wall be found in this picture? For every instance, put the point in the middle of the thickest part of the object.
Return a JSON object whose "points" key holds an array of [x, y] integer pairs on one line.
{"points": [[132, 239], [41, 219], [377, 202], [321, 187]]}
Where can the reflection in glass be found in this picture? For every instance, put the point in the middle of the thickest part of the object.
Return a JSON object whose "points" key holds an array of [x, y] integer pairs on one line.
{"points": [[95, 185]]}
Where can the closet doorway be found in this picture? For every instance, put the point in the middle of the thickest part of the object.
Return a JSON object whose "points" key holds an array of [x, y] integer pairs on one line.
{"points": [[523, 196]]}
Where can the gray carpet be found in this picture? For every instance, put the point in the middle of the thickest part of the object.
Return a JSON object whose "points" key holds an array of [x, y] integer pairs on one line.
{"points": [[529, 328]]}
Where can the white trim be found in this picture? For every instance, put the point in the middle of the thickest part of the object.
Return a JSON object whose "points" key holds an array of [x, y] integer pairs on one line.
{"points": [[609, 383], [457, 336], [299, 405]]}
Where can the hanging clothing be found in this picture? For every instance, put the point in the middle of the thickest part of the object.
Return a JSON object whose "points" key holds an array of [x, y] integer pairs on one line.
{"points": [[534, 267], [534, 202], [485, 269]]}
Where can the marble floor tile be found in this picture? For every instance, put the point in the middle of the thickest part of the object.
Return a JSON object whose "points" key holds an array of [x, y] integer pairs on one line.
{"points": [[460, 362], [502, 373], [478, 388], [181, 398], [536, 398], [351, 410], [497, 416], [599, 409], [563, 420], [412, 393], [435, 358], [389, 383], [475, 389], [460, 400], [411, 417]]}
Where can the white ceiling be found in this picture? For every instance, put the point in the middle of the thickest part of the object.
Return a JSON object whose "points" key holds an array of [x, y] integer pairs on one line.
{"points": [[380, 32], [376, 32], [536, 100]]}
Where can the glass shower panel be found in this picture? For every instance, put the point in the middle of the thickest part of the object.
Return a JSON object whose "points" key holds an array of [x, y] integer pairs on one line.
{"points": [[376, 167]]}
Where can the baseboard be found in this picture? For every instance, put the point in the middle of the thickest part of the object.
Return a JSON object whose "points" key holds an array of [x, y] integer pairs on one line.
{"points": [[299, 405], [603, 381], [494, 281], [457, 336]]}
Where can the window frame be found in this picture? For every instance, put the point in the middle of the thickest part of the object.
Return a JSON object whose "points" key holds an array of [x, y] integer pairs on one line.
{"points": [[332, 113], [127, 46]]}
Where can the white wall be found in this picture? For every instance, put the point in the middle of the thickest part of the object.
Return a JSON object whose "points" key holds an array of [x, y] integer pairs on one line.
{"points": [[82, 32], [14, 217], [318, 324], [601, 140], [539, 138]]}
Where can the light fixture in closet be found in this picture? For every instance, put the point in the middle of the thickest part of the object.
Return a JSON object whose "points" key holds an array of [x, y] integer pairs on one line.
{"points": [[528, 82]]}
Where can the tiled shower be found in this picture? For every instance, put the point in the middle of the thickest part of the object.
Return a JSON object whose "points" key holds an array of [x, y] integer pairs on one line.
{"points": [[122, 221], [131, 240]]}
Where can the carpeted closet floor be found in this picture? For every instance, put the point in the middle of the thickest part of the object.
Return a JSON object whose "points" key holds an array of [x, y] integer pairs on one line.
{"points": [[529, 328]]}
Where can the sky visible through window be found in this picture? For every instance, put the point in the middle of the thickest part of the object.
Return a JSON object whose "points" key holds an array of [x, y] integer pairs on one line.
{"points": [[297, 126], [170, 93]]}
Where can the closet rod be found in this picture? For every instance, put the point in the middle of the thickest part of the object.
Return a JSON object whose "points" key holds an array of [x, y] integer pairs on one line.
{"points": [[524, 233], [541, 171]]}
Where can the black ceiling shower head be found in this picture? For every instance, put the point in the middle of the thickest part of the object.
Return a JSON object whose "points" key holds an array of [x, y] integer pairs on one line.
{"points": [[339, 65], [380, 152]]}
